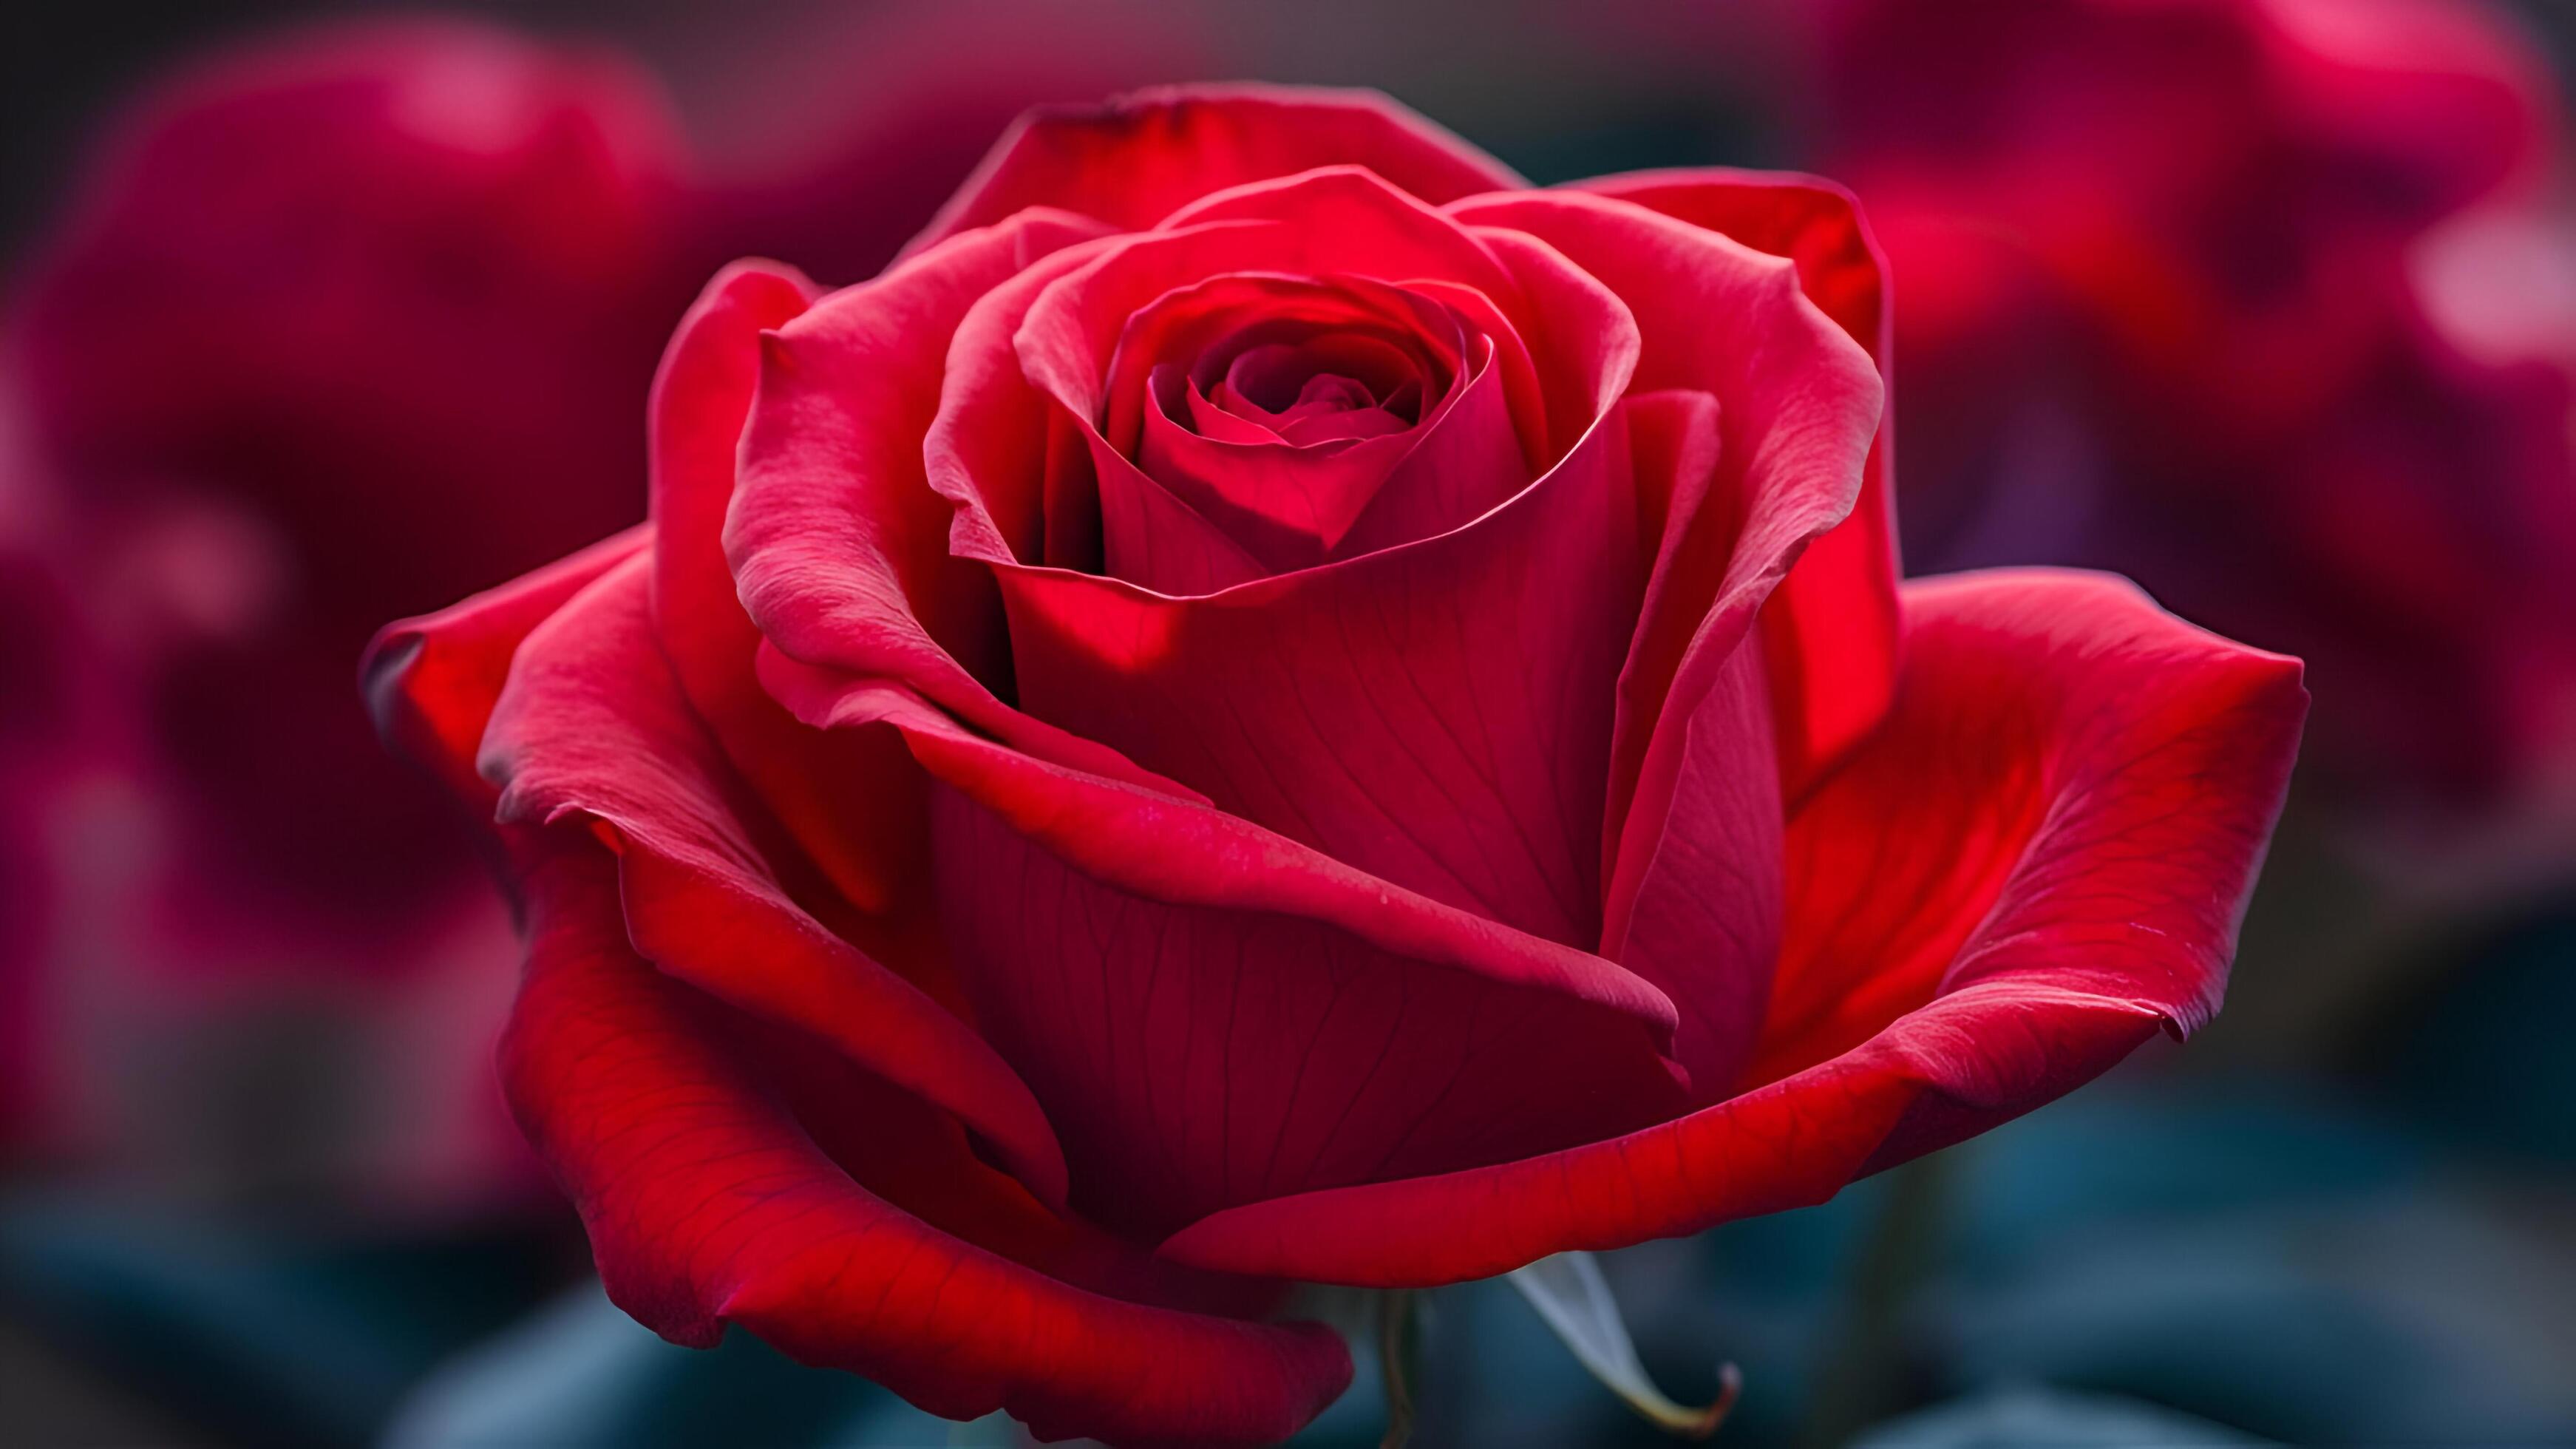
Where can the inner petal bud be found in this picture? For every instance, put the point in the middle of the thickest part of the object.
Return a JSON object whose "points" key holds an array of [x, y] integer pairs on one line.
{"points": [[1279, 410]]}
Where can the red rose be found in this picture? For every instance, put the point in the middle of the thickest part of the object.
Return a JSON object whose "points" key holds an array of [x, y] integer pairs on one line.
{"points": [[1270, 704]]}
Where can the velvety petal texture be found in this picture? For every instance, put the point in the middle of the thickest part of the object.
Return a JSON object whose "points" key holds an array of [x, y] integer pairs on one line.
{"points": [[2033, 867], [1833, 638], [1270, 705], [709, 1203]]}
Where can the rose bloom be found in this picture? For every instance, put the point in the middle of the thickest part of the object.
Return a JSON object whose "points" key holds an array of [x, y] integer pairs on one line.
{"points": [[1271, 705], [2171, 297], [340, 324]]}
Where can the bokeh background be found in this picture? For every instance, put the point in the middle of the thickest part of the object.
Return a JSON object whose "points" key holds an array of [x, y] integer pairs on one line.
{"points": [[316, 315]]}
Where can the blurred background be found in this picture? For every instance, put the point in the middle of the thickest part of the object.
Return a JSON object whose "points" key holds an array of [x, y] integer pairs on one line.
{"points": [[320, 314]]}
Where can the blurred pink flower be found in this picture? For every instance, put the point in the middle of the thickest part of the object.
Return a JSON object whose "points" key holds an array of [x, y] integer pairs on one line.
{"points": [[2162, 269], [339, 326]]}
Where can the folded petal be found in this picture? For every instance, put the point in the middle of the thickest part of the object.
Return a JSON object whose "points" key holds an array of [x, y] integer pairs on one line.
{"points": [[838, 547], [1437, 714], [1751, 445], [1799, 405], [1156, 540], [1212, 1013], [2103, 810], [593, 724], [431, 682], [2038, 861], [1831, 635], [708, 1203], [1198, 1057], [1700, 914], [1138, 158], [833, 795]]}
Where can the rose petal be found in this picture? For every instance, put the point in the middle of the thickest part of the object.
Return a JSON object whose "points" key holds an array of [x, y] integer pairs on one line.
{"points": [[1136, 159], [1158, 844], [836, 544], [1160, 542], [1437, 714], [1798, 405], [1466, 461], [1699, 914], [1213, 1014], [2110, 775], [1674, 441], [431, 682], [832, 795], [2123, 757], [1833, 661], [592, 723], [708, 1203], [1197, 1058]]}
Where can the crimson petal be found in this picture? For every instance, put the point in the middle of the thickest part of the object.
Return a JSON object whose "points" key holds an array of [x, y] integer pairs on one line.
{"points": [[837, 546], [593, 724], [431, 682], [708, 1203], [834, 795], [1108, 922], [2109, 775], [1831, 637], [1136, 159]]}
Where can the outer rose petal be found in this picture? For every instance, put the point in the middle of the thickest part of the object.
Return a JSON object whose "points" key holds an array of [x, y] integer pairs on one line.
{"points": [[1138, 158], [1178, 849], [431, 681], [839, 798], [593, 723], [1113, 935], [707, 1203], [836, 542], [2156, 756], [1831, 631], [1194, 1058]]}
